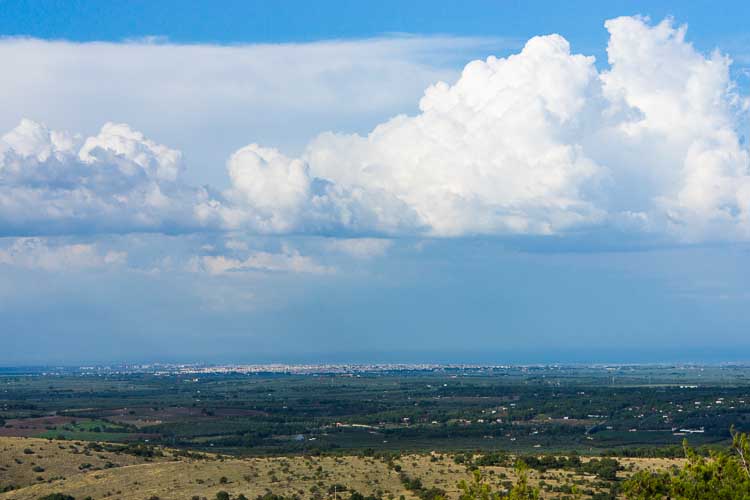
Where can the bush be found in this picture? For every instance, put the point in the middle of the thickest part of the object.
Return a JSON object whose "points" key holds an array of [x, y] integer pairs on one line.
{"points": [[57, 496]]}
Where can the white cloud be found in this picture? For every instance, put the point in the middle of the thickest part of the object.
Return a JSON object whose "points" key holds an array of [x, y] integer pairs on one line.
{"points": [[490, 154], [537, 143], [288, 260], [208, 100], [541, 143], [116, 141], [273, 194], [275, 187], [117, 181], [682, 148], [37, 253]]}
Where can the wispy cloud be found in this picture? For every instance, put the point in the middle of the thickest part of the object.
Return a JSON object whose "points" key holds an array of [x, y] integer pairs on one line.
{"points": [[39, 254], [288, 261]]}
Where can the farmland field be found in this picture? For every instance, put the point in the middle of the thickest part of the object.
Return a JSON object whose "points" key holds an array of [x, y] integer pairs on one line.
{"points": [[554, 409], [386, 434]]}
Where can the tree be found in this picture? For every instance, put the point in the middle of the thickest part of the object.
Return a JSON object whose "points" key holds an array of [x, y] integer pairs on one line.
{"points": [[477, 489], [521, 490], [721, 476]]}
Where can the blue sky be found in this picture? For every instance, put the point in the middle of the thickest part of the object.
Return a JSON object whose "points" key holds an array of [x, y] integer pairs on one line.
{"points": [[289, 181], [237, 21]]}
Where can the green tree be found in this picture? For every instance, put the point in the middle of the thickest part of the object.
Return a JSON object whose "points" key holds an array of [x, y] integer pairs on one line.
{"points": [[720, 476], [477, 489], [521, 490]]}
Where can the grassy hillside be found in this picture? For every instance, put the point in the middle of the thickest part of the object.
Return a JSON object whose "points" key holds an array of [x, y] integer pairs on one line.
{"points": [[27, 461], [72, 468]]}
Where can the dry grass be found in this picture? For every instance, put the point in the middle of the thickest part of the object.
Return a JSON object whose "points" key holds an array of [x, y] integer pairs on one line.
{"points": [[181, 478], [27, 461]]}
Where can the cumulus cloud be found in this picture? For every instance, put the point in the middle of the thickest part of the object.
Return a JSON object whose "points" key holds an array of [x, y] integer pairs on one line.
{"points": [[117, 181], [489, 154], [272, 193], [537, 143], [39, 254], [207, 100], [680, 147]]}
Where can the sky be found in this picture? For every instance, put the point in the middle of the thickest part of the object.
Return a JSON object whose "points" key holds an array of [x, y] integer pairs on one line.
{"points": [[495, 182]]}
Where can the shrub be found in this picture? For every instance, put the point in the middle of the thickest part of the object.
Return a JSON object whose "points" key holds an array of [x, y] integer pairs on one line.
{"points": [[57, 496]]}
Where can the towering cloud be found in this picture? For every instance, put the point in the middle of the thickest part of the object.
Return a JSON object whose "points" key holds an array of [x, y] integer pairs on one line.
{"points": [[538, 143], [543, 143], [678, 149], [498, 152]]}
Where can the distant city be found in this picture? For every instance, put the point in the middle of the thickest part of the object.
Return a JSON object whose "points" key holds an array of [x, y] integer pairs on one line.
{"points": [[278, 368], [353, 368]]}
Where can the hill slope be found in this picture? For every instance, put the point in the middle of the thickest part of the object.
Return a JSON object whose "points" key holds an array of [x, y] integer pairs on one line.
{"points": [[119, 475]]}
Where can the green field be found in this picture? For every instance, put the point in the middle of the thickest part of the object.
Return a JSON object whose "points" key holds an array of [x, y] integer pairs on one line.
{"points": [[591, 410]]}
